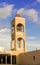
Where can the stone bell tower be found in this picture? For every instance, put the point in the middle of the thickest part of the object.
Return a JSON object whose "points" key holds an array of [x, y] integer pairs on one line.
{"points": [[18, 41]]}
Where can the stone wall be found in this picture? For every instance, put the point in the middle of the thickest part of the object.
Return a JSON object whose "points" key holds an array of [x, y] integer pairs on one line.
{"points": [[30, 58]]}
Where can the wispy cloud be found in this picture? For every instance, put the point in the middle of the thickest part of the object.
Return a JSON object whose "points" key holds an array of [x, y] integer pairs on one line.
{"points": [[4, 30], [31, 38], [31, 14], [32, 45], [38, 1], [5, 10], [33, 42], [5, 38]]}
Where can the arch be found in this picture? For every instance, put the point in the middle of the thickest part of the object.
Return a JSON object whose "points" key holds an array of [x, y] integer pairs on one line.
{"points": [[13, 28], [20, 43], [20, 27]]}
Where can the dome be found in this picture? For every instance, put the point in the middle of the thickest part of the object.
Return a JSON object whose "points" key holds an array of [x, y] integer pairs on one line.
{"points": [[18, 15]]}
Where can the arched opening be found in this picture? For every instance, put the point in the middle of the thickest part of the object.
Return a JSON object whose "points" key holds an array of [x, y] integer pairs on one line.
{"points": [[20, 43], [20, 27], [13, 28]]}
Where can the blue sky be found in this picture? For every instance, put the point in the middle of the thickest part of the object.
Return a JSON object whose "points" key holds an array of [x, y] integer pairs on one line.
{"points": [[30, 10]]}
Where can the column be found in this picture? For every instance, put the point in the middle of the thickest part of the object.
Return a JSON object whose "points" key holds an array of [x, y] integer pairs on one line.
{"points": [[11, 59], [6, 59]]}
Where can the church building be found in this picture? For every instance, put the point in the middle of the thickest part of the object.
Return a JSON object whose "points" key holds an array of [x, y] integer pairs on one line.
{"points": [[18, 54]]}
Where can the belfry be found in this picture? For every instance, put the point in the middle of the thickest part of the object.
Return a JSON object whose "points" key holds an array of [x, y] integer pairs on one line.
{"points": [[18, 41]]}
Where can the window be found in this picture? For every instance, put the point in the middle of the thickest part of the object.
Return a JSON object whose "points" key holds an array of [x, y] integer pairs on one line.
{"points": [[20, 27], [20, 43], [33, 57], [4, 60], [0, 60], [13, 59], [8, 60]]}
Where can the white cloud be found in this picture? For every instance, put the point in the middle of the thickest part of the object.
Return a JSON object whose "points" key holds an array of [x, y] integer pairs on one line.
{"points": [[34, 44], [31, 14], [5, 38], [4, 30], [20, 10], [31, 38], [6, 10], [38, 1]]}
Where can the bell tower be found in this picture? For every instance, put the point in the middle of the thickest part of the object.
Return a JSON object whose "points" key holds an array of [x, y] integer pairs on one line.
{"points": [[18, 40]]}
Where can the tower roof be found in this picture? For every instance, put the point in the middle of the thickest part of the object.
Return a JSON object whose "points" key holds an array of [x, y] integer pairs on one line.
{"points": [[18, 15]]}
